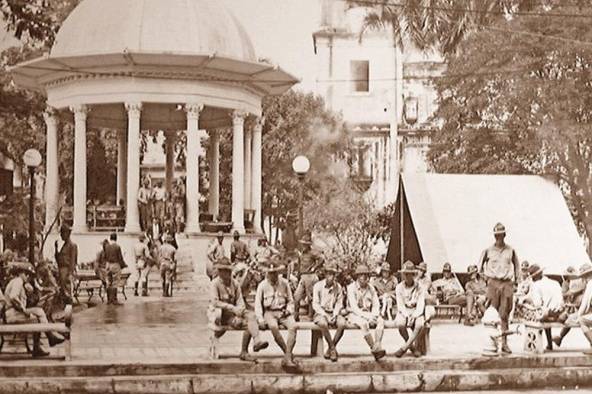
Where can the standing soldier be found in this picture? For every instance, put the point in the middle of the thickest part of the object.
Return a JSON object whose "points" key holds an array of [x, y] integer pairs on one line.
{"points": [[327, 303], [500, 266], [215, 252], [274, 305], [178, 202], [115, 264], [159, 200], [67, 259], [364, 308], [145, 205], [308, 262], [143, 257], [168, 266], [227, 308]]}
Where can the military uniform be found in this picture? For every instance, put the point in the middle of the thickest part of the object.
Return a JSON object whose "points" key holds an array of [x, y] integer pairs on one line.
{"points": [[66, 258], [307, 264], [215, 252]]}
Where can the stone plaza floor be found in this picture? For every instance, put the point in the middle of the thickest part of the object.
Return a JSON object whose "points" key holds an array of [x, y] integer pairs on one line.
{"points": [[155, 329]]}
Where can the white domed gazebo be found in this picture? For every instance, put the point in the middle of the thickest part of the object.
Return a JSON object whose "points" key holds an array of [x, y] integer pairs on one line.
{"points": [[171, 65]]}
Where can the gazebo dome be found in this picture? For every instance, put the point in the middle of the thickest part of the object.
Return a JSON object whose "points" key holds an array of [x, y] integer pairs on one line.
{"points": [[177, 27]]}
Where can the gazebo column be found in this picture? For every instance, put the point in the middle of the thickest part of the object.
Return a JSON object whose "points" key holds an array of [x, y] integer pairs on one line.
{"points": [[257, 174], [132, 219], [248, 167], [170, 160], [214, 165], [52, 180], [192, 167], [238, 182], [121, 166], [80, 116]]}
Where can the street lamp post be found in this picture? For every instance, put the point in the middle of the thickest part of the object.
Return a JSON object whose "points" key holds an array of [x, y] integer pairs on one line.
{"points": [[301, 165], [32, 159]]}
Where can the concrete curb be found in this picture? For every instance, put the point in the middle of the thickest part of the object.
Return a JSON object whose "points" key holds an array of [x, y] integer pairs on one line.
{"points": [[385, 382]]}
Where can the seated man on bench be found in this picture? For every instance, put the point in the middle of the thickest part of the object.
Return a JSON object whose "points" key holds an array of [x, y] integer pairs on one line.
{"points": [[18, 313], [274, 305], [585, 311], [226, 296], [364, 310], [327, 303], [546, 298], [574, 295], [410, 310], [449, 287], [385, 287], [476, 296]]}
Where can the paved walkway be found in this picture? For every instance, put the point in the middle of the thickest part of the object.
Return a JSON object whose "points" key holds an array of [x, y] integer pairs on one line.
{"points": [[156, 329]]}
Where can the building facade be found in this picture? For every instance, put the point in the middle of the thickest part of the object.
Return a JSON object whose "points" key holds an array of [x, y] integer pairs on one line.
{"points": [[383, 92]]}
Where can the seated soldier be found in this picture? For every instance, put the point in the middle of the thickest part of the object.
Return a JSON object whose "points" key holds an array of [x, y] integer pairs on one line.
{"points": [[410, 310], [227, 308], [364, 310], [274, 305], [18, 313], [476, 296], [449, 287], [585, 311], [546, 299], [327, 303], [425, 283], [574, 295], [385, 288]]}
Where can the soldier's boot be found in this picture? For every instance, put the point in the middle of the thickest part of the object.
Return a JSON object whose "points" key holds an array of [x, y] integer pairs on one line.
{"points": [[136, 289], [37, 350], [164, 288], [145, 289]]}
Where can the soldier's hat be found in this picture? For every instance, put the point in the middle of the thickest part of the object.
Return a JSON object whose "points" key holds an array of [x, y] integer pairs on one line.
{"points": [[447, 267], [385, 267], [306, 239], [362, 269], [570, 272], [535, 270], [585, 269], [330, 266], [19, 267], [408, 268], [422, 266], [274, 266], [220, 234], [524, 265], [223, 264], [499, 229], [472, 269]]}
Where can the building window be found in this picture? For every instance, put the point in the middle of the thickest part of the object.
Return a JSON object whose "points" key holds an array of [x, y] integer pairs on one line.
{"points": [[360, 75]]}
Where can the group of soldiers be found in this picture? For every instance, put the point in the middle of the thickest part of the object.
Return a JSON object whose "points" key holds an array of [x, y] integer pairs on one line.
{"points": [[160, 210], [499, 282]]}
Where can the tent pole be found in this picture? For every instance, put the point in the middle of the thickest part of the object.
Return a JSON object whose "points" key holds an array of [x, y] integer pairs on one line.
{"points": [[402, 221]]}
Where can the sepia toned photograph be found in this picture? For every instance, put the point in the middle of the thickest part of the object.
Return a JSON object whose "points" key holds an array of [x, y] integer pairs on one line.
{"points": [[295, 196]]}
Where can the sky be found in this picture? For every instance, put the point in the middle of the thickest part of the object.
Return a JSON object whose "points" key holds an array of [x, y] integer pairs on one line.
{"points": [[281, 30]]}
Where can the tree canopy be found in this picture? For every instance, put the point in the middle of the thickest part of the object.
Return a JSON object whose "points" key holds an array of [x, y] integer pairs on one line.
{"points": [[516, 98]]}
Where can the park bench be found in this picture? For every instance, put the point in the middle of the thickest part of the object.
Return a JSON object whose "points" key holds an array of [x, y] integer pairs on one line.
{"points": [[317, 341], [90, 282], [533, 337], [24, 330]]}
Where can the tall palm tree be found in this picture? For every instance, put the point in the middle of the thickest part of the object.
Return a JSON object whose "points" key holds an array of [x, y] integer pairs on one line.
{"points": [[443, 24]]}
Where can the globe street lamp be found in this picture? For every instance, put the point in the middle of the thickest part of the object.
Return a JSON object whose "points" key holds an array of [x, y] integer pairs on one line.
{"points": [[32, 159], [301, 165]]}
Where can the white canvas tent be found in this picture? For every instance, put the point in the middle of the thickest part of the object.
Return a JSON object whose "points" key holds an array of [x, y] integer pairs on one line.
{"points": [[450, 218]]}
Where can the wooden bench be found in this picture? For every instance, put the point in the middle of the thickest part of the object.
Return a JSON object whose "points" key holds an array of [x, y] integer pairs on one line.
{"points": [[87, 281], [533, 337], [64, 328], [317, 341], [448, 312]]}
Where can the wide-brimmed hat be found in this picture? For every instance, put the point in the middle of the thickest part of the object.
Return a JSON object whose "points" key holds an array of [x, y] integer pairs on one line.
{"points": [[446, 267], [408, 268], [220, 234], [472, 269], [306, 239], [524, 265], [499, 229], [362, 269], [223, 264], [274, 266], [330, 266], [422, 266], [535, 270], [585, 269], [19, 267], [570, 272], [385, 267]]}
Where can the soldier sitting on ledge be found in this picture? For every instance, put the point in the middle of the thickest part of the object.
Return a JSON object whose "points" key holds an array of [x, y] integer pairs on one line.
{"points": [[227, 308]]}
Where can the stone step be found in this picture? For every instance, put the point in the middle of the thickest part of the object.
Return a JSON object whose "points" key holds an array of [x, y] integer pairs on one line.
{"points": [[321, 383]]}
